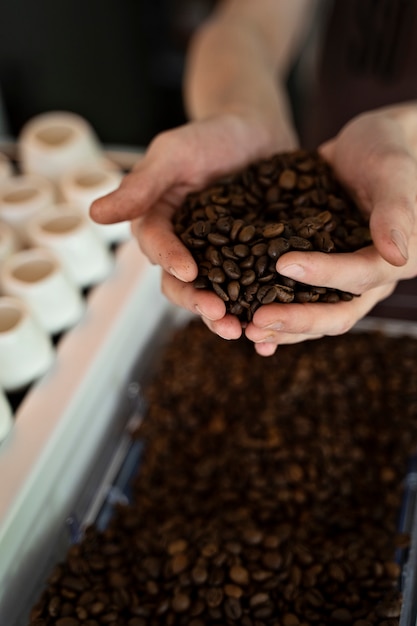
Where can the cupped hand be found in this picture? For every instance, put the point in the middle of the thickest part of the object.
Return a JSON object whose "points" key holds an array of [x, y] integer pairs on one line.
{"points": [[177, 162], [374, 157]]}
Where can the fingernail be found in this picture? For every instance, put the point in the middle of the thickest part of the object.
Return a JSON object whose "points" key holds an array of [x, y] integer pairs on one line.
{"points": [[274, 326], [174, 273], [399, 240], [292, 271], [267, 339], [200, 312]]}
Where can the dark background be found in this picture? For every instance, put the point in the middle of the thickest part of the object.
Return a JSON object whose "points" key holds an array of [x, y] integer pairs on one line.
{"points": [[118, 63]]}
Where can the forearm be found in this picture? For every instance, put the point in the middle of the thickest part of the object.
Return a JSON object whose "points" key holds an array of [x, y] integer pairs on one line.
{"points": [[238, 63]]}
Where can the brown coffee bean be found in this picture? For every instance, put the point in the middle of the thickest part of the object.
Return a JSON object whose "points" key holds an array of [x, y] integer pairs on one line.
{"points": [[233, 290], [277, 247], [247, 233], [180, 602], [233, 591], [228, 253], [270, 231], [239, 575], [201, 229], [237, 226], [247, 278], [233, 609], [284, 294], [272, 559], [266, 294], [179, 563], [214, 597], [258, 598], [300, 243], [231, 269], [199, 575], [247, 263], [217, 239], [220, 292], [241, 251], [287, 179], [216, 275], [224, 224], [214, 257], [179, 545]]}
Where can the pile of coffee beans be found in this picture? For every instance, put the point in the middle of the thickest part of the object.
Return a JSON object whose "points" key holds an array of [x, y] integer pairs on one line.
{"points": [[237, 228], [269, 492]]}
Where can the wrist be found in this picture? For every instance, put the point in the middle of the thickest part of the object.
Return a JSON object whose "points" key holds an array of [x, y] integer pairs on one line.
{"points": [[258, 134]]}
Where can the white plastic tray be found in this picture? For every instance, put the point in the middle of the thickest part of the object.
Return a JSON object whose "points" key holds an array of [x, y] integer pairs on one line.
{"points": [[65, 419]]}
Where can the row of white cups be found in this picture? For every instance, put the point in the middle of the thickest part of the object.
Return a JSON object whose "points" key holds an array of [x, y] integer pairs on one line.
{"points": [[50, 249]]}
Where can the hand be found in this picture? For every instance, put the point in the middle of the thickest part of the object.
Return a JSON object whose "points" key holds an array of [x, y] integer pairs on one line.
{"points": [[177, 162], [374, 157]]}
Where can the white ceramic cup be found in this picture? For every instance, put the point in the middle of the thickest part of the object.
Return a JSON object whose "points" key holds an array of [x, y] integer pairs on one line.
{"points": [[6, 416], [9, 241], [66, 231], [81, 186], [26, 351], [23, 196], [53, 142], [6, 168], [37, 277]]}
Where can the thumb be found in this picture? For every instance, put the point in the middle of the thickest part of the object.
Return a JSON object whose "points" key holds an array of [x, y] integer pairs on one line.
{"points": [[393, 203]]}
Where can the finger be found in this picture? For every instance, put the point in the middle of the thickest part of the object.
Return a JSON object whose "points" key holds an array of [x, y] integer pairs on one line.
{"points": [[138, 191], [155, 235], [384, 184], [312, 319], [270, 345], [265, 349], [228, 327], [197, 301], [354, 272], [393, 196]]}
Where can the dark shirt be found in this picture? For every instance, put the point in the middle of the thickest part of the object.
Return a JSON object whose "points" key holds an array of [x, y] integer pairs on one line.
{"points": [[367, 58]]}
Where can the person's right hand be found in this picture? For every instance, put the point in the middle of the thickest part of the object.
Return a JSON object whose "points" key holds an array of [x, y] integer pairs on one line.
{"points": [[178, 162]]}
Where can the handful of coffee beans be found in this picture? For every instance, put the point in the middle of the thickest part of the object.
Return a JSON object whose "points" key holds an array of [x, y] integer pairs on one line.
{"points": [[237, 228]]}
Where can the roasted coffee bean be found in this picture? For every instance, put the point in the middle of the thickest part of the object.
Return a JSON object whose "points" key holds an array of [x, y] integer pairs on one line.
{"points": [[284, 294], [216, 275], [181, 602], [233, 290], [287, 179], [271, 231], [247, 263], [220, 292], [247, 278], [201, 228], [239, 575], [217, 239], [277, 247], [224, 224], [300, 243], [241, 251], [266, 294], [231, 269]]}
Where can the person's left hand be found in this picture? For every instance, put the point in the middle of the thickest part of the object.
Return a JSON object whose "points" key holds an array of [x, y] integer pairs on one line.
{"points": [[374, 157]]}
